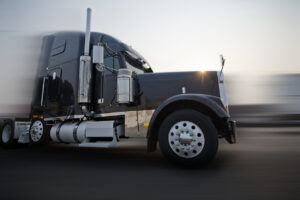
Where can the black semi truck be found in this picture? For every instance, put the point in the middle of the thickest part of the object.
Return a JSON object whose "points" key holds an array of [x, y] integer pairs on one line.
{"points": [[93, 90]]}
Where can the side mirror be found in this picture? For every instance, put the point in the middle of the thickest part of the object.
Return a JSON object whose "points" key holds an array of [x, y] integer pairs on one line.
{"points": [[98, 54]]}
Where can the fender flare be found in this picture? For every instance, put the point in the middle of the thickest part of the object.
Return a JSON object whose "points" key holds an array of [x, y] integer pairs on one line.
{"points": [[212, 103]]}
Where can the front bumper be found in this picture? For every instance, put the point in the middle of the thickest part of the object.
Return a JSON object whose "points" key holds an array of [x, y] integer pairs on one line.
{"points": [[231, 136]]}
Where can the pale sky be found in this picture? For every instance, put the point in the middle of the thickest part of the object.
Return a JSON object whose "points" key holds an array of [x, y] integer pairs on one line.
{"points": [[255, 36]]}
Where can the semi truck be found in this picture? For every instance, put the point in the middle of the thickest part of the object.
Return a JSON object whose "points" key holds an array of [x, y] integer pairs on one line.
{"points": [[92, 90]]}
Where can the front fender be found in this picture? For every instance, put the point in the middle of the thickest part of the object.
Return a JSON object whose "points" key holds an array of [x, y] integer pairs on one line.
{"points": [[211, 103]]}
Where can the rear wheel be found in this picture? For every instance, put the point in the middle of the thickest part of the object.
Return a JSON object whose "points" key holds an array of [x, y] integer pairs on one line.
{"points": [[39, 132], [7, 135], [188, 137]]}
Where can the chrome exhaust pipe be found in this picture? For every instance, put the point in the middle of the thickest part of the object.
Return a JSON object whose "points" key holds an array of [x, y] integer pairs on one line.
{"points": [[85, 67], [87, 32]]}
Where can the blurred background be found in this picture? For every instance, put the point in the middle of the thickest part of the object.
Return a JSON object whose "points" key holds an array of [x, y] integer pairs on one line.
{"points": [[259, 39]]}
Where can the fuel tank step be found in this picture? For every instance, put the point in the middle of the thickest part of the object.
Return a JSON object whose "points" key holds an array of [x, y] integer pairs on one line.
{"points": [[100, 144], [87, 133]]}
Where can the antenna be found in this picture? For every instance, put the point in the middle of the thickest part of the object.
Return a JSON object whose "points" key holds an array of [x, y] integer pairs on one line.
{"points": [[222, 62]]}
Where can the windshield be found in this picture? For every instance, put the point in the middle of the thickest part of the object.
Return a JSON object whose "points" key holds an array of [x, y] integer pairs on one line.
{"points": [[133, 64], [136, 62]]}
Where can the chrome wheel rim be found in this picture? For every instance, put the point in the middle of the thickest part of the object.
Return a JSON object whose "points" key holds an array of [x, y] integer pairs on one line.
{"points": [[36, 131], [6, 133], [186, 139]]}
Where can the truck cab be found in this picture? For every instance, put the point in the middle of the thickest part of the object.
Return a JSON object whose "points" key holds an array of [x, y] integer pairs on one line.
{"points": [[93, 90]]}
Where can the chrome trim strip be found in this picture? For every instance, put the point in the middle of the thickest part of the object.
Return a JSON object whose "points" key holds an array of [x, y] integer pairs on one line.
{"points": [[57, 132], [110, 114], [64, 117], [81, 116], [75, 132], [43, 88]]}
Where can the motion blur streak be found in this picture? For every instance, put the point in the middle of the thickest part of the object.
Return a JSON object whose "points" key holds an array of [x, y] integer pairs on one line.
{"points": [[263, 165], [257, 38], [261, 43], [19, 54]]}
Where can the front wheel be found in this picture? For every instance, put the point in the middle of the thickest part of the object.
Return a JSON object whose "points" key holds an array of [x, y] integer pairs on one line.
{"points": [[39, 133], [188, 137]]}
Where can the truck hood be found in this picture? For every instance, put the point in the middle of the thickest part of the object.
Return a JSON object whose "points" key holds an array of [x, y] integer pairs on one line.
{"points": [[157, 87]]}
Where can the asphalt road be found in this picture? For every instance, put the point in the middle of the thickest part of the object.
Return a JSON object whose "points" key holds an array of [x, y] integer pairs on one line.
{"points": [[265, 164]]}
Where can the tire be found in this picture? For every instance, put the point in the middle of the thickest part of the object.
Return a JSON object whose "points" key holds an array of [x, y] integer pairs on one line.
{"points": [[7, 135], [188, 138], [39, 133]]}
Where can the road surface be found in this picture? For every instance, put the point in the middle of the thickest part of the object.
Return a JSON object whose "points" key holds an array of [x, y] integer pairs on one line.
{"points": [[265, 164]]}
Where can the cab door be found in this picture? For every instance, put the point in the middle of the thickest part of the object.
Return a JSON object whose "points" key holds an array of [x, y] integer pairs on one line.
{"points": [[53, 91], [108, 83]]}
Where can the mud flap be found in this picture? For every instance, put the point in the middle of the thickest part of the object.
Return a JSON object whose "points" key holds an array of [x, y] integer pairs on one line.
{"points": [[231, 138]]}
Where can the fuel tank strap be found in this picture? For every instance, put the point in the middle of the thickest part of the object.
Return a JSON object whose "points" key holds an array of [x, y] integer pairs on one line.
{"points": [[75, 132], [57, 132]]}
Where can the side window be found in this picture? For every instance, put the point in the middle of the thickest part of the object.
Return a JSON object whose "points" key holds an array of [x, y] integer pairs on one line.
{"points": [[116, 63], [109, 62], [112, 62], [58, 47]]}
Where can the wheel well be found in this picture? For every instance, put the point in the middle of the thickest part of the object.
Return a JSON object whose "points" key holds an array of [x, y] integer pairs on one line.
{"points": [[178, 105]]}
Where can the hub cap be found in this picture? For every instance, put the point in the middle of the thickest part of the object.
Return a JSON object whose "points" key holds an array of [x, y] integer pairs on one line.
{"points": [[186, 139], [6, 133], [36, 131]]}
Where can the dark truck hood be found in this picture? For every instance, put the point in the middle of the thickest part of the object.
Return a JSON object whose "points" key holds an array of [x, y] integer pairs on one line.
{"points": [[157, 87]]}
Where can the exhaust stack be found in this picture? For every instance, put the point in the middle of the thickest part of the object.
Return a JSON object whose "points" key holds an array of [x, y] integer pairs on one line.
{"points": [[85, 67], [87, 32]]}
